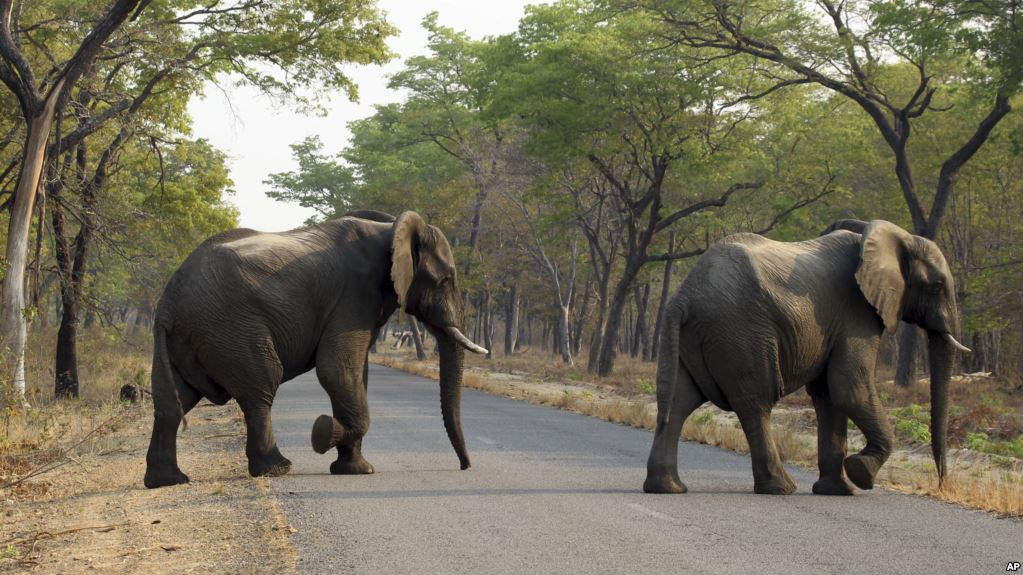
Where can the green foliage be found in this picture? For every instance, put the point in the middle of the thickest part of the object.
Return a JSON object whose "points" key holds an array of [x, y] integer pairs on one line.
{"points": [[321, 183], [913, 423], [703, 417], [646, 386], [980, 441]]}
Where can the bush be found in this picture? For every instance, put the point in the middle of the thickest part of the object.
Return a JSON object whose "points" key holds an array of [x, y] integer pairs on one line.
{"points": [[913, 422]]}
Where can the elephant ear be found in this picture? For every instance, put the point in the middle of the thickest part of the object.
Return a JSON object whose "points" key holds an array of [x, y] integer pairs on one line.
{"points": [[881, 276], [408, 229]]}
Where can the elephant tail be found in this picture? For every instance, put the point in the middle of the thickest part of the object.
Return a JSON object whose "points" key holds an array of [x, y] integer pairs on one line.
{"points": [[166, 400], [668, 358]]}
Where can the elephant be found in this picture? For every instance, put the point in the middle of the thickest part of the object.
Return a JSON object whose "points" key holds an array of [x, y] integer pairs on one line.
{"points": [[758, 319], [247, 311]]}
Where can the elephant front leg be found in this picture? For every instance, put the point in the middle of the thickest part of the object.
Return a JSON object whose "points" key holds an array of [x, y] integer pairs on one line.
{"points": [[265, 459], [345, 383], [769, 475], [862, 467], [852, 391], [831, 445]]}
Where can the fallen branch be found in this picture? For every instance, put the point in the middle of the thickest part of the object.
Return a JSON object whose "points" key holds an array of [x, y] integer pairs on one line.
{"points": [[48, 535]]}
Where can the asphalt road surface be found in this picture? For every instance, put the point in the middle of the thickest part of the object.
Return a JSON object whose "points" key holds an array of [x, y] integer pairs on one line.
{"points": [[555, 492]]}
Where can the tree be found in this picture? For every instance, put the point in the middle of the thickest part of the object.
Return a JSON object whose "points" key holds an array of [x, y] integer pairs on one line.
{"points": [[39, 100], [653, 124], [864, 51], [321, 183], [284, 50]]}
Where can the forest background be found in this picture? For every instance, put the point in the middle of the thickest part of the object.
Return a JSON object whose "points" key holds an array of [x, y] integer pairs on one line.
{"points": [[579, 165]]}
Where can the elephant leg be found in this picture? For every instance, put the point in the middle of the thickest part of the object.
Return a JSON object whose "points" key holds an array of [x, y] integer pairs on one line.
{"points": [[831, 444], [769, 475], [341, 367], [260, 447], [662, 464], [162, 457], [852, 391]]}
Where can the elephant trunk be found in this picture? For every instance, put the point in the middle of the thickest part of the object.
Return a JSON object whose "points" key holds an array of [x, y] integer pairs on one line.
{"points": [[452, 357], [941, 351]]}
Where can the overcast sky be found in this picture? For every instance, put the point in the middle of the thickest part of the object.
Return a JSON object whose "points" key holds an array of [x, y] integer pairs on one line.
{"points": [[256, 134]]}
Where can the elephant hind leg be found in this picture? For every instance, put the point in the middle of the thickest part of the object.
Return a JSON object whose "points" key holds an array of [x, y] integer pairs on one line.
{"points": [[769, 475], [162, 458], [265, 459], [262, 373], [662, 464], [831, 444]]}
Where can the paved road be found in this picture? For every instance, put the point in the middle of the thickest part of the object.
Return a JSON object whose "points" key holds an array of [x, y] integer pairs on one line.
{"points": [[555, 492]]}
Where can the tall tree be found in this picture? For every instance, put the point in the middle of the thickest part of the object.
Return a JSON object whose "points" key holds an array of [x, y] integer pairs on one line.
{"points": [[39, 98], [862, 51], [165, 52], [650, 122]]}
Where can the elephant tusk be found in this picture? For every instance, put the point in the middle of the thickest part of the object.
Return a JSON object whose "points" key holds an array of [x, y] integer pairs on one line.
{"points": [[957, 345], [464, 341]]}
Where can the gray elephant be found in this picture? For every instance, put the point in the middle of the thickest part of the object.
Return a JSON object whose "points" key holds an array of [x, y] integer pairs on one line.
{"points": [[757, 319], [248, 311]]}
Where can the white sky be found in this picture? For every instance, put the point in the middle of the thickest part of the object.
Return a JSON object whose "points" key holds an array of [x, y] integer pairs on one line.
{"points": [[255, 134]]}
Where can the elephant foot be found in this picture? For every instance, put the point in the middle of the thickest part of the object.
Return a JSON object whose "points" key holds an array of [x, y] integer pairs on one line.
{"points": [[355, 466], [273, 465], [832, 486], [663, 484], [162, 478], [782, 485], [861, 470], [327, 433]]}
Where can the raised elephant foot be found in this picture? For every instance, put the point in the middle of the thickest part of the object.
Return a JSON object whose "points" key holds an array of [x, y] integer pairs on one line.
{"points": [[782, 485], [861, 470], [663, 484], [832, 486], [355, 466], [273, 465], [327, 432], [162, 478]]}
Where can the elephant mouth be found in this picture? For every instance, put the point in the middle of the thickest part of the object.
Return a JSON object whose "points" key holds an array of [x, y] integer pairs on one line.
{"points": [[465, 342]]}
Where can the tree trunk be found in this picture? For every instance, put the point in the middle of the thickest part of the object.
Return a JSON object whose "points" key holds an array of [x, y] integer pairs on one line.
{"points": [[597, 338], [580, 320], [640, 341], [488, 325], [14, 316], [66, 382], [665, 292], [906, 367], [564, 341], [417, 338], [609, 343], [511, 320]]}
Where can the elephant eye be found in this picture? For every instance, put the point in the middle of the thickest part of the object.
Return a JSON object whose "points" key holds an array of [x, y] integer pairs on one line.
{"points": [[937, 286]]}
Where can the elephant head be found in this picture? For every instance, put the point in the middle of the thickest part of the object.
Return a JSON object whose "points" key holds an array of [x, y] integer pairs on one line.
{"points": [[425, 280], [906, 277]]}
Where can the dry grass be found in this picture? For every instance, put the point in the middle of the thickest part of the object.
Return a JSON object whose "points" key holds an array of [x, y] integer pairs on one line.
{"points": [[43, 433], [991, 488], [993, 484]]}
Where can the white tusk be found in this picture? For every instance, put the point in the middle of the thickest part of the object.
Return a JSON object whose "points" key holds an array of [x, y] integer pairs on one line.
{"points": [[957, 345], [464, 341]]}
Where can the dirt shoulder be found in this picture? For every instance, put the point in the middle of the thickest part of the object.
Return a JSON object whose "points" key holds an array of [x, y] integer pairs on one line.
{"points": [[92, 514]]}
